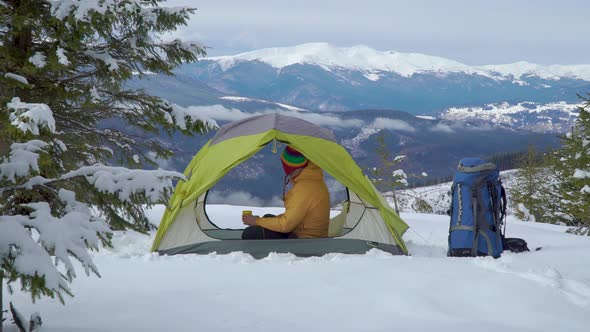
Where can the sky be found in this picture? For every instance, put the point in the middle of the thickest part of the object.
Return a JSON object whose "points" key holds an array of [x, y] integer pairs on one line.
{"points": [[474, 32]]}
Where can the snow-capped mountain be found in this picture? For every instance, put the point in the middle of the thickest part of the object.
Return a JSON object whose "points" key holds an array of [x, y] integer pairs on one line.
{"points": [[322, 77], [372, 62], [545, 118]]}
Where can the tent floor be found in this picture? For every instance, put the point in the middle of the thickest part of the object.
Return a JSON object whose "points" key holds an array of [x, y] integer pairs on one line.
{"points": [[297, 247]]}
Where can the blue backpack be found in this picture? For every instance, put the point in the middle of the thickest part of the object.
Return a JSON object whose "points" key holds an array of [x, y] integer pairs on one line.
{"points": [[477, 210]]}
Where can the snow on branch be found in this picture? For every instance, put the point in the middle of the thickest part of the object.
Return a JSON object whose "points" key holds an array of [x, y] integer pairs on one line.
{"points": [[30, 116], [399, 159], [23, 158], [39, 60], [580, 174], [69, 235], [29, 258], [183, 114], [400, 176], [105, 57], [81, 10], [125, 182], [20, 79], [61, 57]]}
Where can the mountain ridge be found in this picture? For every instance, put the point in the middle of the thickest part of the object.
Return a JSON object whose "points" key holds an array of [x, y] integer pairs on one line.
{"points": [[361, 57]]}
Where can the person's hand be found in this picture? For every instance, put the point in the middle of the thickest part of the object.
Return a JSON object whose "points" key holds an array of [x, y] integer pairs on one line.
{"points": [[249, 219]]}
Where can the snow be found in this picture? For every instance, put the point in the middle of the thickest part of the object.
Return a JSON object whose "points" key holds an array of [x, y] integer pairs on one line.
{"points": [[38, 60], [549, 117], [546, 290], [61, 57], [124, 182], [354, 144], [400, 177], [507, 108], [398, 159], [552, 72], [65, 236], [526, 213], [22, 159], [580, 174], [246, 99], [358, 57], [105, 57], [426, 117], [193, 113], [81, 10], [372, 76], [30, 116], [240, 99], [399, 173], [16, 77], [292, 108], [94, 94], [372, 62]]}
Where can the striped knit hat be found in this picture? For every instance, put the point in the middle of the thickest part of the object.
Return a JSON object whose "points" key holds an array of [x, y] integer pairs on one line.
{"points": [[292, 160]]}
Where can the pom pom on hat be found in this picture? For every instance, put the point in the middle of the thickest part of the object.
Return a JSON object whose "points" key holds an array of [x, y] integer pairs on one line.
{"points": [[292, 160]]}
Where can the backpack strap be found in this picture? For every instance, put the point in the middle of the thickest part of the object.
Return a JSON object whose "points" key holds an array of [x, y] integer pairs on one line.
{"points": [[503, 207], [495, 206], [476, 219]]}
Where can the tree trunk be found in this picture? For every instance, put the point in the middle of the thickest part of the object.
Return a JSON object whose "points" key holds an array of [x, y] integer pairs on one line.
{"points": [[394, 203], [1, 303]]}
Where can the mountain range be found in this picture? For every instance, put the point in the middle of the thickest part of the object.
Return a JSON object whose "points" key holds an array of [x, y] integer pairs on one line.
{"points": [[322, 77], [433, 110]]}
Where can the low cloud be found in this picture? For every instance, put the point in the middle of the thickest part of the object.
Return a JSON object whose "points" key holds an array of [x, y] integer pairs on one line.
{"points": [[218, 112], [242, 198], [222, 113], [442, 128], [481, 127], [393, 124]]}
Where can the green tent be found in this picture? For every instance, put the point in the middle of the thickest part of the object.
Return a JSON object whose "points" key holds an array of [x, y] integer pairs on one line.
{"points": [[366, 220]]}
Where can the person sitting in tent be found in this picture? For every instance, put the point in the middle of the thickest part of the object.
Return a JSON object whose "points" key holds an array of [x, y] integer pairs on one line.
{"points": [[307, 204]]}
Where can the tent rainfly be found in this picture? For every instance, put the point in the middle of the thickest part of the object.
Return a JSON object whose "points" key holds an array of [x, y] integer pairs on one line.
{"points": [[366, 220]]}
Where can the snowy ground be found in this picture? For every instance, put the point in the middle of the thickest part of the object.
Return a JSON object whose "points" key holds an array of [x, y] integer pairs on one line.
{"points": [[546, 290]]}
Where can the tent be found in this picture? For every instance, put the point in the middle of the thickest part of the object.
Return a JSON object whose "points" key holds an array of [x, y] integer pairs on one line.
{"points": [[366, 220]]}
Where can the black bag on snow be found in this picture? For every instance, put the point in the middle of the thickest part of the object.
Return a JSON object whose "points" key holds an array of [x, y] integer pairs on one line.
{"points": [[514, 244], [477, 211]]}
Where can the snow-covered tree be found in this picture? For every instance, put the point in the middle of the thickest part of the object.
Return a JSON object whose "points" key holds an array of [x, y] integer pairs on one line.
{"points": [[571, 165], [66, 115]]}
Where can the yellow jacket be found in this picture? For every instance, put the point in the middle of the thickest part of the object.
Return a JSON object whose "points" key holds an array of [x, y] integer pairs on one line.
{"points": [[307, 206]]}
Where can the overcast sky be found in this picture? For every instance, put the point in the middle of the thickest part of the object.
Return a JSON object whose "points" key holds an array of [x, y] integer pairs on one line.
{"points": [[474, 32]]}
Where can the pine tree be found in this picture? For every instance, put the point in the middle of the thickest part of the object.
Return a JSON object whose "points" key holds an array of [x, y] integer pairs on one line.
{"points": [[571, 166], [528, 196], [66, 114], [387, 176]]}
